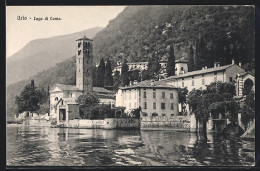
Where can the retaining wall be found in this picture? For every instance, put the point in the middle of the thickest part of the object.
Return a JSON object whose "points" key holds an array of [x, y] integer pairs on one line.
{"points": [[181, 123], [108, 123]]}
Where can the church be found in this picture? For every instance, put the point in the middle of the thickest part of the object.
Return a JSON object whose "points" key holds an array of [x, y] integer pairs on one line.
{"points": [[63, 105]]}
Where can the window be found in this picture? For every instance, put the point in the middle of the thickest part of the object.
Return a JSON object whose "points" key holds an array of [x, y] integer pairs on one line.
{"points": [[145, 105], [192, 77], [230, 79], [163, 114], [154, 94], [163, 95], [215, 73], [203, 81], [202, 75], [171, 95], [162, 105], [154, 89], [154, 105], [192, 82], [70, 94], [182, 68], [79, 44], [56, 98], [182, 78], [171, 106], [144, 94], [182, 84]]}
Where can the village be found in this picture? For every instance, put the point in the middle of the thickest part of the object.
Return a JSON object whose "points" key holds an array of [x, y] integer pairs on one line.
{"points": [[146, 104]]}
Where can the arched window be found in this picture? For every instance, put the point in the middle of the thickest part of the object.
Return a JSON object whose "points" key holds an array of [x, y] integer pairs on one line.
{"points": [[79, 51], [144, 114], [154, 114], [79, 44], [56, 98], [248, 85]]}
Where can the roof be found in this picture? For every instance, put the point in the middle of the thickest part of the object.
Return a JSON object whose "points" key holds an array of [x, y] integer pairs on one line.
{"points": [[65, 87], [102, 90], [149, 84], [181, 61], [244, 73], [84, 38], [220, 68]]}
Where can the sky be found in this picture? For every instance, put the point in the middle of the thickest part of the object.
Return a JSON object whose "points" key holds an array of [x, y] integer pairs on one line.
{"points": [[20, 31]]}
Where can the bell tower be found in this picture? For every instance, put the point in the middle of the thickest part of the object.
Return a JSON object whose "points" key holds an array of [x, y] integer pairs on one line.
{"points": [[84, 65]]}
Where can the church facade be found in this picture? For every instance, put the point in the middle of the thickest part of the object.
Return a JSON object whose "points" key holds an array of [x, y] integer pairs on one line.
{"points": [[63, 105]]}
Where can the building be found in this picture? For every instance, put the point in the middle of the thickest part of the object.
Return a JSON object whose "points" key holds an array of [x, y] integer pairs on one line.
{"points": [[63, 105], [200, 78], [180, 66], [154, 98]]}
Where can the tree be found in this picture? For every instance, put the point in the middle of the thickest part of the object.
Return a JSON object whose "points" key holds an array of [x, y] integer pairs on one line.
{"points": [[191, 59], [124, 74], [154, 67], [217, 98], [117, 81], [108, 78], [248, 109], [29, 99], [100, 73], [197, 64], [170, 68], [182, 94], [88, 104]]}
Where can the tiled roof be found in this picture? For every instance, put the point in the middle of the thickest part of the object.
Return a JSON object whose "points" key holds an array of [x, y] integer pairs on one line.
{"points": [[65, 87], [220, 68], [149, 84], [102, 90]]}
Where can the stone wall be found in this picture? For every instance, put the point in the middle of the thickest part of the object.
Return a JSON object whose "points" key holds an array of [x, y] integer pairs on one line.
{"points": [[176, 123], [108, 123]]}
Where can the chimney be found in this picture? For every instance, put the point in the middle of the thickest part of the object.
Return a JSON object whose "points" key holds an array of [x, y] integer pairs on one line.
{"points": [[202, 68], [233, 61], [239, 64], [152, 82], [135, 81], [218, 64], [215, 64], [182, 71], [206, 67], [130, 83]]}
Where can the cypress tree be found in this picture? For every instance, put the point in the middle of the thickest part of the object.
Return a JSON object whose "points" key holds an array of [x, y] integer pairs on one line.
{"points": [[191, 59], [153, 67], [170, 69], [108, 79], [197, 64], [116, 80], [100, 73], [124, 74]]}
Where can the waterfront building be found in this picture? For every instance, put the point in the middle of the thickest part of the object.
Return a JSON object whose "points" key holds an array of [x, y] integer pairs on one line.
{"points": [[63, 105], [154, 97], [199, 79]]}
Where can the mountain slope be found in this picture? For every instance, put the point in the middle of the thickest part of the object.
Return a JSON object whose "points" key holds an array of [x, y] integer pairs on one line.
{"points": [[138, 32], [40, 54]]}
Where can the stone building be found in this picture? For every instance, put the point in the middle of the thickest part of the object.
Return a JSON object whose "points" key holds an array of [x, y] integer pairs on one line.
{"points": [[63, 105], [154, 98]]}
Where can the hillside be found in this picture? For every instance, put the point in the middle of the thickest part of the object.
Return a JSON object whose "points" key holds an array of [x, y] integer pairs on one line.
{"points": [[40, 54], [138, 32]]}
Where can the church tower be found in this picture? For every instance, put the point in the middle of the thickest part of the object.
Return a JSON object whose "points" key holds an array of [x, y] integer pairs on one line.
{"points": [[84, 65]]}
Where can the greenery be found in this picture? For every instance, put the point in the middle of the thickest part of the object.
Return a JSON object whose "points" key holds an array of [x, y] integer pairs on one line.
{"points": [[108, 78], [139, 32], [248, 109], [124, 74], [153, 67], [170, 69], [32, 100], [182, 94], [191, 59], [100, 73], [117, 80], [217, 98]]}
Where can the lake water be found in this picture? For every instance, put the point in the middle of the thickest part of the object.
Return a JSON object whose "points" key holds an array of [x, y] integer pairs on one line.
{"points": [[43, 146]]}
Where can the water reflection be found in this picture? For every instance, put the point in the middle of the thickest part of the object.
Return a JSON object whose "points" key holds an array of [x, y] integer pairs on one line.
{"points": [[28, 146]]}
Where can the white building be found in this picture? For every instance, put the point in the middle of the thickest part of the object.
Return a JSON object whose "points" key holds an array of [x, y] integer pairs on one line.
{"points": [[154, 98]]}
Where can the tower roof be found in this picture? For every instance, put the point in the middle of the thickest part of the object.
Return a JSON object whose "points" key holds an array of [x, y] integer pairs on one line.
{"points": [[84, 38]]}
